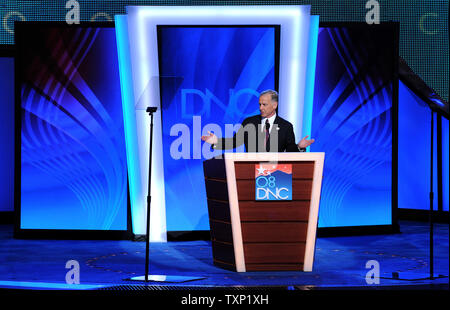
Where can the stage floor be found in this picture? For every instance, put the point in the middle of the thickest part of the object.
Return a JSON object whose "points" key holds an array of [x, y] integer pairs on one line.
{"points": [[340, 263]]}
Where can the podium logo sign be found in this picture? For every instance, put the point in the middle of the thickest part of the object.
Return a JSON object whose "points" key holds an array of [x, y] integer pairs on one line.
{"points": [[273, 181]]}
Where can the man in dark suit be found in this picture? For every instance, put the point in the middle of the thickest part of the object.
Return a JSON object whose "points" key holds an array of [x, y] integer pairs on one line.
{"points": [[266, 132]]}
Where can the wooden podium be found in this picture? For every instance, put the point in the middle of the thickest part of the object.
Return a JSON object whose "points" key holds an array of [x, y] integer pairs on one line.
{"points": [[254, 235]]}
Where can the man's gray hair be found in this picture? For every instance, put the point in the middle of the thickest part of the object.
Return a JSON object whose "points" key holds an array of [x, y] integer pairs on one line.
{"points": [[272, 93]]}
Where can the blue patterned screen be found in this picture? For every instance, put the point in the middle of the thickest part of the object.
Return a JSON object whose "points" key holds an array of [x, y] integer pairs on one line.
{"points": [[352, 124], [7, 133], [73, 171], [445, 165], [212, 74], [414, 125]]}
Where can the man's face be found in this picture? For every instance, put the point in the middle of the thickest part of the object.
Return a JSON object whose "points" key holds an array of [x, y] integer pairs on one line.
{"points": [[267, 107]]}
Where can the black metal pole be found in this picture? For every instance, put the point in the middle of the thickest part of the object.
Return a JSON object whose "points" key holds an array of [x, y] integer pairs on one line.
{"points": [[431, 196], [149, 197]]}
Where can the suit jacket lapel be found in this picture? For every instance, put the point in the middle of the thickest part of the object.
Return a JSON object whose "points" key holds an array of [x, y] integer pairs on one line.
{"points": [[276, 124], [276, 120]]}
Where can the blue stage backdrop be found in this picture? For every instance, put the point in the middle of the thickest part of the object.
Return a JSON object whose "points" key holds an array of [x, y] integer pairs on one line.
{"points": [[445, 165], [73, 161], [352, 123], [6, 133], [414, 125], [208, 75]]}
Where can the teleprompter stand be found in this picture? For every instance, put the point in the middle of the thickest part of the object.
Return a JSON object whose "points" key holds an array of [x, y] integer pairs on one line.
{"points": [[147, 277], [436, 105], [412, 276]]}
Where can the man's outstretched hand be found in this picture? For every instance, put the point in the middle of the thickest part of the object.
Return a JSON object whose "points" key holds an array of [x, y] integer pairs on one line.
{"points": [[211, 139], [304, 143]]}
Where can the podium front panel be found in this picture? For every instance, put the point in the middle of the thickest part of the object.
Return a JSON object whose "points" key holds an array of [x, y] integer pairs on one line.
{"points": [[274, 232], [252, 235]]}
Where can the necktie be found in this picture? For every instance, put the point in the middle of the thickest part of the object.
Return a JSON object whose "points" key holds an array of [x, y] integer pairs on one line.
{"points": [[267, 135]]}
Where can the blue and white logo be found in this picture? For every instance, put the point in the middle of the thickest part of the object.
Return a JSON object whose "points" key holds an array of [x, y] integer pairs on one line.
{"points": [[273, 182]]}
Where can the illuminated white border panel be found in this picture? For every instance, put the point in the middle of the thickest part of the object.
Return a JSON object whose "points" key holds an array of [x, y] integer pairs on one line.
{"points": [[142, 21]]}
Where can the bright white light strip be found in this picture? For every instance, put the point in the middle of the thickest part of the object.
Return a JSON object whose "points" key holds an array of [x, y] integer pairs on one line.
{"points": [[142, 21], [137, 193], [310, 75]]}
